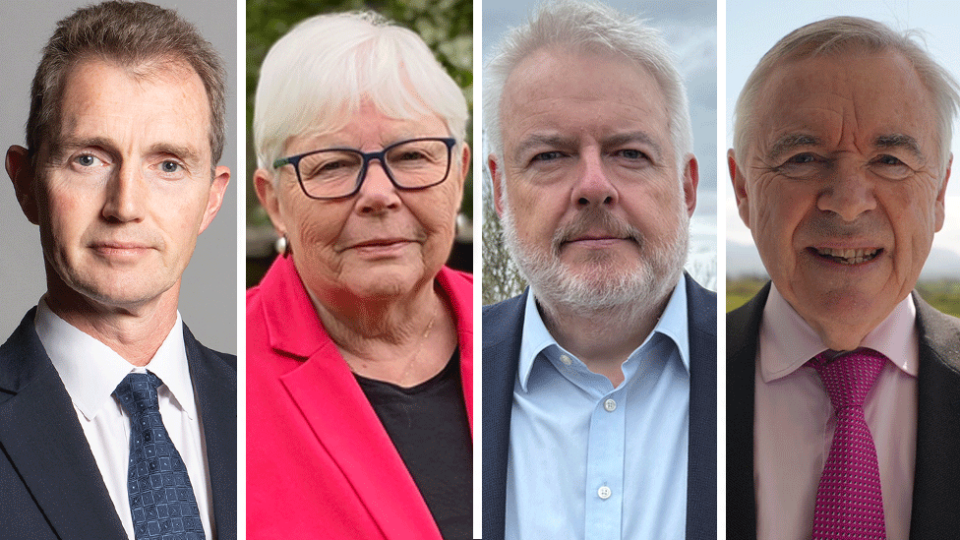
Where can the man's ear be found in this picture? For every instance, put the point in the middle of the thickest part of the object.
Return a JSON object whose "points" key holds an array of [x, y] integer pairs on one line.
{"points": [[22, 174], [495, 177], [215, 198], [940, 203], [691, 179], [739, 187]]}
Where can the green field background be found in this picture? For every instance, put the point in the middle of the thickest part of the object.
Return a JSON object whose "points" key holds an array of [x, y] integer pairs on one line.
{"points": [[943, 295]]}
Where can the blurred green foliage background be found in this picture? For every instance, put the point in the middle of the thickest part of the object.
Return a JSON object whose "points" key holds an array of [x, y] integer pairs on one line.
{"points": [[445, 25]]}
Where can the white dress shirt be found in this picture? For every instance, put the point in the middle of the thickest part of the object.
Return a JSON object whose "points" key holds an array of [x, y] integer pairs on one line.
{"points": [[91, 371], [795, 421], [588, 461]]}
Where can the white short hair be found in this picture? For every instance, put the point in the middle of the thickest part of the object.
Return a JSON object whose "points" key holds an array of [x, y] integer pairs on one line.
{"points": [[316, 76], [588, 27], [835, 36]]}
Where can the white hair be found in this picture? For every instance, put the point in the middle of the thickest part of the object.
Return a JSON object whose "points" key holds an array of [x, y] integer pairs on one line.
{"points": [[588, 27], [835, 36], [316, 77]]}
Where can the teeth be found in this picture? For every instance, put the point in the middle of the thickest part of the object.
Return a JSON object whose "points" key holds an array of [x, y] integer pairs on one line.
{"points": [[848, 256]]}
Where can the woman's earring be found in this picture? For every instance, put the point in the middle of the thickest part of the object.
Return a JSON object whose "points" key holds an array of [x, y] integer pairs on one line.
{"points": [[282, 245]]}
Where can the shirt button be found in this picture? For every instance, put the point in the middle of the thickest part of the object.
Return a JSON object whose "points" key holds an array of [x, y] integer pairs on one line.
{"points": [[604, 493], [610, 406], [565, 359]]}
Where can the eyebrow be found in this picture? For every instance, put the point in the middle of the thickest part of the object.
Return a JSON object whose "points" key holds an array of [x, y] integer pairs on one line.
{"points": [[560, 141], [633, 136], [789, 142], [536, 140], [899, 140]]}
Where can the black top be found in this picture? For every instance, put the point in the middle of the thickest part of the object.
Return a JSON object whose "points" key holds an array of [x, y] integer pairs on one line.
{"points": [[429, 427]]}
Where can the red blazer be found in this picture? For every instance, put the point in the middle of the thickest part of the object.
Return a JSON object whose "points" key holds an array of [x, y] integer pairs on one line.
{"points": [[319, 462]]}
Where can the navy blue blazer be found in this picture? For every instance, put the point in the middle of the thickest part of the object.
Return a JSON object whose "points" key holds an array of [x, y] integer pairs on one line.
{"points": [[936, 497], [50, 486], [502, 328]]}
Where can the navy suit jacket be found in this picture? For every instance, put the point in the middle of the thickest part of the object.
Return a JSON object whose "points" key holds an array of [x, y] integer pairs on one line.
{"points": [[502, 329], [936, 498], [50, 485]]}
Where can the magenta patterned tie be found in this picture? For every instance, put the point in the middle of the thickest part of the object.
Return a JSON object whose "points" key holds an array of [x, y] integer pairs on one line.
{"points": [[849, 500]]}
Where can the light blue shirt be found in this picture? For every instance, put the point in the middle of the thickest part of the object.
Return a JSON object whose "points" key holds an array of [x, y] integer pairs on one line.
{"points": [[593, 462]]}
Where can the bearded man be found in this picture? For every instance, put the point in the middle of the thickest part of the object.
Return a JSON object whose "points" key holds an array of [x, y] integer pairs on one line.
{"points": [[599, 381]]}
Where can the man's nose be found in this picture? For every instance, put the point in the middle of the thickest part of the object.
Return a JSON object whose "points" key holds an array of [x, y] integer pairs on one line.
{"points": [[594, 186], [849, 193], [125, 195]]}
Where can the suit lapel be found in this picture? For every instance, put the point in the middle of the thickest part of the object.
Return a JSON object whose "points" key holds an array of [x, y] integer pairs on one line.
{"points": [[743, 331], [702, 450], [42, 437], [502, 331], [216, 387], [937, 470]]}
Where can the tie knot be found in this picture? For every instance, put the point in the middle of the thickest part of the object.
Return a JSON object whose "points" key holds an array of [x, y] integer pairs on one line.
{"points": [[137, 392], [849, 377]]}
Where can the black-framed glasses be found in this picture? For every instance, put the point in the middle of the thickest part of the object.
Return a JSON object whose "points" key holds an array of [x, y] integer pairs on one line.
{"points": [[337, 173]]}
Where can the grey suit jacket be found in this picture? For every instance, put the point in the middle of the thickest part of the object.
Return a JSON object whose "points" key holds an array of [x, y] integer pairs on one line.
{"points": [[936, 484], [50, 485]]}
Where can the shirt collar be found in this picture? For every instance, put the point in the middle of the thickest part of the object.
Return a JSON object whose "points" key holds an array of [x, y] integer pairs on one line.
{"points": [[91, 371], [787, 341], [535, 337]]}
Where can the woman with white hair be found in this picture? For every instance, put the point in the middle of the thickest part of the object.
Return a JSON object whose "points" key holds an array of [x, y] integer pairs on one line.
{"points": [[359, 355]]}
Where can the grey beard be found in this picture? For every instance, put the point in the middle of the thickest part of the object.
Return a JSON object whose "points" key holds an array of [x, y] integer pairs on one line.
{"points": [[637, 291]]}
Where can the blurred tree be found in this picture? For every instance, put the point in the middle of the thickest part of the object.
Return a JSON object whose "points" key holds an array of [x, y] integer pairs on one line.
{"points": [[445, 25], [501, 279]]}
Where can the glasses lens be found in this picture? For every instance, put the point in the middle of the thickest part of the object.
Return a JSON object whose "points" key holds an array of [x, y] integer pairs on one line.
{"points": [[418, 164], [331, 173]]}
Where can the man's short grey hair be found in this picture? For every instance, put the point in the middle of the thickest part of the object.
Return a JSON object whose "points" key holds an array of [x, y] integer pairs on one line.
{"points": [[580, 26], [316, 76], [835, 36]]}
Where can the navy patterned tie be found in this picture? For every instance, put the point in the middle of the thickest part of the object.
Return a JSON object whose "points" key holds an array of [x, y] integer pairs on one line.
{"points": [[161, 496]]}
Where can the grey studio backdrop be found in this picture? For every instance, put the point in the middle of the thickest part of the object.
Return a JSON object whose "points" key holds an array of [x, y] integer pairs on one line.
{"points": [[208, 295]]}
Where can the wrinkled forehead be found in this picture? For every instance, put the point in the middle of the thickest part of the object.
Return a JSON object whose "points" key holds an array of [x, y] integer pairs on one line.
{"points": [[856, 93]]}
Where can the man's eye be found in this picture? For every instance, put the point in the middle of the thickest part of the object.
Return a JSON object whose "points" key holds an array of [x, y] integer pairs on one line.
{"points": [[889, 160], [170, 167], [630, 153], [802, 158], [87, 160], [547, 156]]}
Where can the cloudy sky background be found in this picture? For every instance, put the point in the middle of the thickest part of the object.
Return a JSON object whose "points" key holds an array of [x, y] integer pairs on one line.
{"points": [[752, 28], [690, 28]]}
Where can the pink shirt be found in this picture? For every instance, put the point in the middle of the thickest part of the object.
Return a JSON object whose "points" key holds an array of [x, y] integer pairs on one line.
{"points": [[794, 420]]}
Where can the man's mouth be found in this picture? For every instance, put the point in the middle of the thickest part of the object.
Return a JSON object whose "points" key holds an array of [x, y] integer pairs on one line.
{"points": [[848, 256]]}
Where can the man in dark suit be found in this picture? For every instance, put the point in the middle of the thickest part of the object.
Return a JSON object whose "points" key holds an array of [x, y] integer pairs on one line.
{"points": [[843, 388], [599, 382], [115, 422]]}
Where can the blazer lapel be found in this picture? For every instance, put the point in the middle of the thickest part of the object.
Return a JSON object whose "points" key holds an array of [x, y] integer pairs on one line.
{"points": [[702, 450], [216, 386], [743, 331], [937, 470], [502, 331], [346, 425], [42, 437]]}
